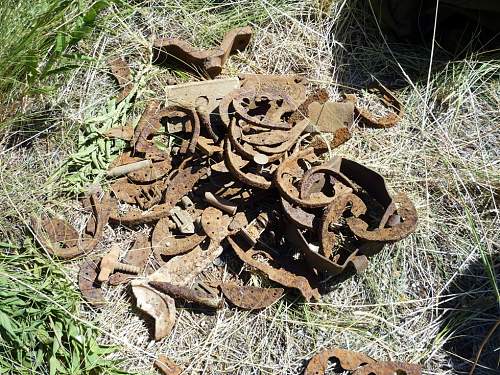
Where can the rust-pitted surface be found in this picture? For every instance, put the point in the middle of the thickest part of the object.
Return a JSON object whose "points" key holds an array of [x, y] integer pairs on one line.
{"points": [[188, 294], [88, 284], [215, 223], [250, 297], [181, 184], [389, 368], [406, 210], [278, 275], [137, 256], [347, 359], [388, 99], [211, 61], [164, 243], [151, 173], [182, 269], [166, 366], [157, 305], [297, 215], [62, 241], [122, 73]]}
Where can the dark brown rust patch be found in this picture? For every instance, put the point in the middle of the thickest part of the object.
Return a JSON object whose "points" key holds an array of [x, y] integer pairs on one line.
{"points": [[88, 284], [122, 73], [250, 297], [348, 360]]}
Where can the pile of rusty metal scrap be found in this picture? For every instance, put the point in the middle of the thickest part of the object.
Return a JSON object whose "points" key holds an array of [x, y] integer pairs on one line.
{"points": [[233, 168]]}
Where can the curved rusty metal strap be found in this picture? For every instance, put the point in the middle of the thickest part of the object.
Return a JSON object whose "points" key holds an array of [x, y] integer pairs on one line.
{"points": [[348, 360], [332, 216], [149, 124], [290, 169], [181, 184], [321, 263], [234, 164], [122, 73], [405, 209], [88, 284], [281, 276], [388, 99], [51, 233], [178, 51], [297, 215]]}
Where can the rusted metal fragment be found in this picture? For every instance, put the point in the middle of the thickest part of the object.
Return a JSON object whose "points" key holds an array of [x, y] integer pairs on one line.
{"points": [[332, 216], [215, 223], [207, 146], [234, 162], [274, 104], [388, 99], [389, 368], [188, 294], [122, 132], [182, 269], [166, 244], [406, 211], [280, 275], [347, 359], [297, 215], [181, 184], [122, 73], [293, 136], [109, 263], [157, 305], [319, 262], [293, 85], [178, 51], [221, 203], [137, 256], [205, 94], [61, 240], [152, 172], [250, 297], [88, 284], [331, 116], [166, 366], [124, 159]]}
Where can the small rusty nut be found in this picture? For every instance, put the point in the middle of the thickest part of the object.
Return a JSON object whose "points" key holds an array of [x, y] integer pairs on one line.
{"points": [[109, 264]]}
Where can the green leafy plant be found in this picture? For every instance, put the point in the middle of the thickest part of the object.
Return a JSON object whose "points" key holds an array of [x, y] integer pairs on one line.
{"points": [[39, 329]]}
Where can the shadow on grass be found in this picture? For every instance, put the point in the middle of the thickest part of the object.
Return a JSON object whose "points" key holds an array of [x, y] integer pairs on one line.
{"points": [[471, 313]]}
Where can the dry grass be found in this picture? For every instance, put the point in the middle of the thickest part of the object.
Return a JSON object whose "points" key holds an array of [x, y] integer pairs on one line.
{"points": [[428, 299]]}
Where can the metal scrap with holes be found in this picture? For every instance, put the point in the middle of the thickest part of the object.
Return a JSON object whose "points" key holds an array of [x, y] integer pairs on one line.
{"points": [[211, 61], [250, 297]]}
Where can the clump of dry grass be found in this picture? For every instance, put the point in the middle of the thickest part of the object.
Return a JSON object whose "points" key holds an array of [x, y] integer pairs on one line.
{"points": [[409, 304]]}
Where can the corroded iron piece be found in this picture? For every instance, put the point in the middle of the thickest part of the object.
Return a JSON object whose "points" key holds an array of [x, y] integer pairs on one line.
{"points": [[88, 284], [389, 368], [165, 244], [61, 240], [215, 223], [297, 215], [167, 366], [180, 52], [188, 294], [250, 297], [347, 359], [388, 99], [122, 73], [278, 275]]}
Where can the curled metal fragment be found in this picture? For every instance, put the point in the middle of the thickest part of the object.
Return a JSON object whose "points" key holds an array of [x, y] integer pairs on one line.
{"points": [[347, 359], [122, 73], [152, 172], [88, 284], [389, 368], [61, 240], [159, 306], [181, 184], [250, 297], [281, 276], [165, 244], [297, 215], [180, 52], [388, 99], [405, 210]]}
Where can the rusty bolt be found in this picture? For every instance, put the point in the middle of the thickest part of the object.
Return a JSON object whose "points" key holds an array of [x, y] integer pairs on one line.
{"points": [[109, 264]]}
